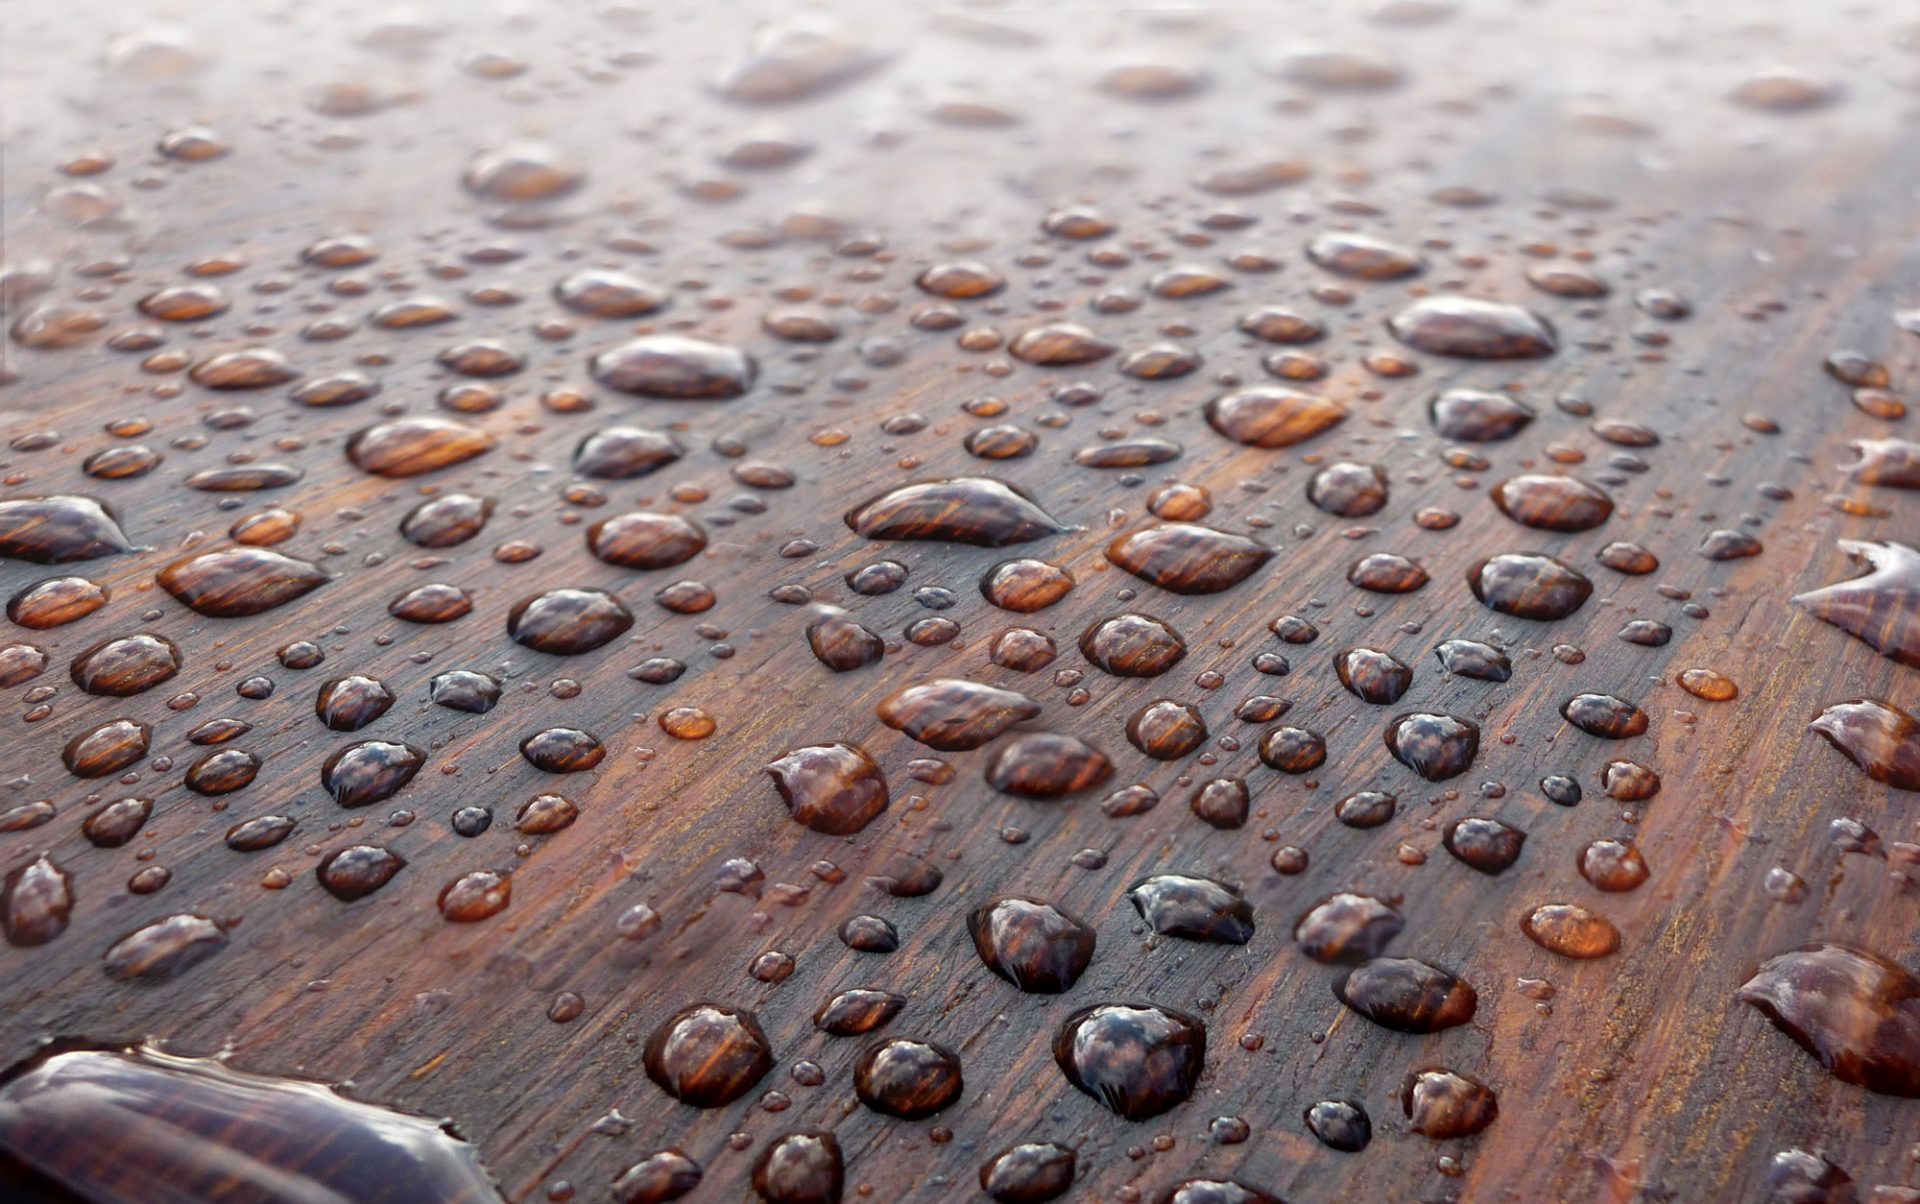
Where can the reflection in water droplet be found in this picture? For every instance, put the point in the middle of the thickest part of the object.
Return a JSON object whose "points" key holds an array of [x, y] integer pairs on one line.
{"points": [[197, 1129], [1855, 1011], [1137, 1059]]}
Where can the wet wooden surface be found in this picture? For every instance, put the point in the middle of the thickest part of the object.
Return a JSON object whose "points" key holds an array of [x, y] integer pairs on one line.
{"points": [[1603, 139]]}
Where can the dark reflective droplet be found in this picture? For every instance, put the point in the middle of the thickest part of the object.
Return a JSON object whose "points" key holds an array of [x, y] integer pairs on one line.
{"points": [[1166, 730], [907, 1078], [708, 1054], [1485, 844], [1436, 746], [1529, 586], [1193, 908], [1132, 645], [240, 581], [1372, 676], [1444, 1104], [197, 1129], [1045, 765], [800, 1168], [1340, 1125], [1184, 558], [568, 622], [1605, 716], [841, 644], [35, 904], [1470, 658], [1476, 416], [129, 665], [1386, 573], [106, 749], [857, 1012], [675, 367], [358, 870], [1882, 606], [369, 772], [347, 704], [1548, 503], [1855, 1011], [1473, 329], [1029, 1173], [563, 750], [59, 530], [832, 788], [464, 690], [222, 772], [1293, 750], [657, 1179], [979, 511], [954, 715], [1408, 995], [1137, 1059], [1033, 944], [408, 447]]}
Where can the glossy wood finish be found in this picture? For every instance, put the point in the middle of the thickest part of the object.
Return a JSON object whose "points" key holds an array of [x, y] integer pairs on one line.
{"points": [[1522, 136]]}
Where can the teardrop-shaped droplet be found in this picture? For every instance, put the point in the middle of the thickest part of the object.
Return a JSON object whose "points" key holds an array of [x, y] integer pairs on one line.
{"points": [[954, 715], [408, 447], [59, 530], [1193, 908], [1033, 944], [1184, 558], [971, 510], [239, 582], [1855, 1011], [832, 788], [1880, 738]]}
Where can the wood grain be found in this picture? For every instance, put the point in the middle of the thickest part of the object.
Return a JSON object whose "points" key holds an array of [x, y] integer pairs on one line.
{"points": [[1642, 1078]]}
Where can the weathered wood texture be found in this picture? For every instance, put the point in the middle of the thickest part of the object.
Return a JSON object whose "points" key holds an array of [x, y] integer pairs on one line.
{"points": [[1600, 129]]}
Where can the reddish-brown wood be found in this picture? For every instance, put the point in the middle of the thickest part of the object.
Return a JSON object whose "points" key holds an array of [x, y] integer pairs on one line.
{"points": [[1510, 143]]}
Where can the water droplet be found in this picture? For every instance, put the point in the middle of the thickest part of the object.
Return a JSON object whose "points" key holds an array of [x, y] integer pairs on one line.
{"points": [[1137, 1059]]}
